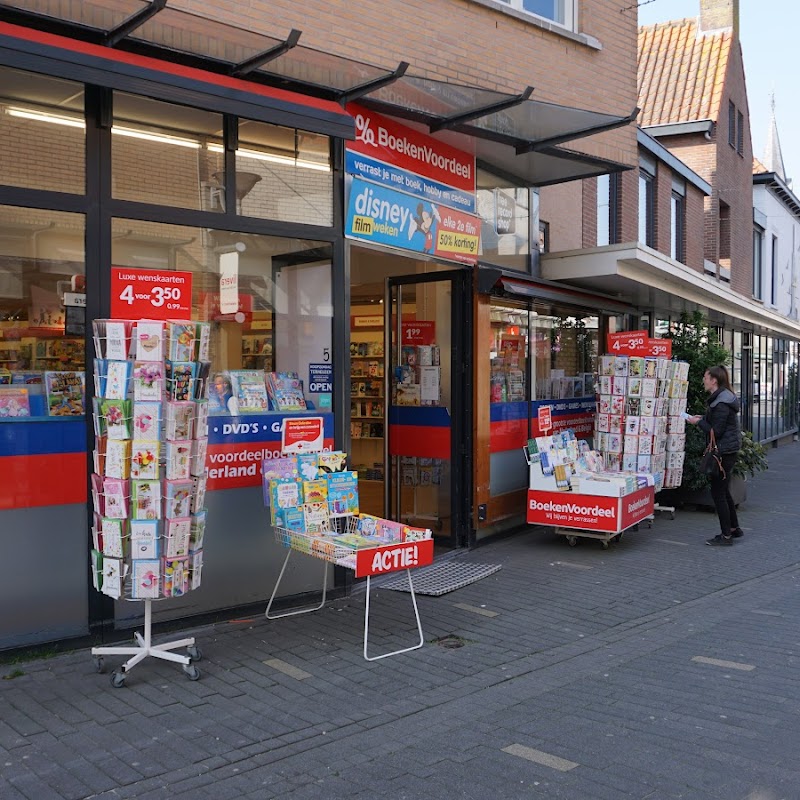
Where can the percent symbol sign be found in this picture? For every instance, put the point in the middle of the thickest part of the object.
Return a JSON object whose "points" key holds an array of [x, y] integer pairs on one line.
{"points": [[364, 132]]}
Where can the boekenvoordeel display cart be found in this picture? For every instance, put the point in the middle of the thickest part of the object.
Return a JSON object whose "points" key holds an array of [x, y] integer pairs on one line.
{"points": [[570, 491], [590, 516], [336, 547]]}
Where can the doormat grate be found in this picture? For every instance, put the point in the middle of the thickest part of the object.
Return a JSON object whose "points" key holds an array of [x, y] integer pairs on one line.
{"points": [[442, 578]]}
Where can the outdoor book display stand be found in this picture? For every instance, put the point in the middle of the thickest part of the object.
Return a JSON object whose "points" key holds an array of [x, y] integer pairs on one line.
{"points": [[318, 516], [571, 491], [149, 480]]}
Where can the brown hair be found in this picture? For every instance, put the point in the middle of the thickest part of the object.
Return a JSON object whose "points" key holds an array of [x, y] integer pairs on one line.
{"points": [[720, 375]]}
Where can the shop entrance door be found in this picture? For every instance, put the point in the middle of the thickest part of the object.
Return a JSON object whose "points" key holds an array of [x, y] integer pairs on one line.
{"points": [[428, 409]]}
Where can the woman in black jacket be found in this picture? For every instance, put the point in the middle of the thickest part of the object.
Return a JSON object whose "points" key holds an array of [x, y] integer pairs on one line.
{"points": [[722, 416]]}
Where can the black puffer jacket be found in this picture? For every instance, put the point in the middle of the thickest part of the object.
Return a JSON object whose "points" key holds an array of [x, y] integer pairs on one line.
{"points": [[722, 414]]}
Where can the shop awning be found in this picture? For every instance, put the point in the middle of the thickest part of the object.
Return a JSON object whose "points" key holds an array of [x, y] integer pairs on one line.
{"points": [[512, 133], [492, 279]]}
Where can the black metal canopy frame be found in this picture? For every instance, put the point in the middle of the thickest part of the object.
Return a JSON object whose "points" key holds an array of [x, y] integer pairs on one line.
{"points": [[151, 28]]}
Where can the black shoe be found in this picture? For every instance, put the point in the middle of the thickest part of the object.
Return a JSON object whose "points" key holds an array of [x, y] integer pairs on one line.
{"points": [[737, 533], [720, 540]]}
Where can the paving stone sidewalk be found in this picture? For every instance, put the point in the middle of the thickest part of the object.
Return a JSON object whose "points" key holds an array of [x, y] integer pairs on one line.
{"points": [[659, 668]]}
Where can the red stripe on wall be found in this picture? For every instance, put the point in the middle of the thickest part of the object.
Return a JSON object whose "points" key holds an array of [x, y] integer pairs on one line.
{"points": [[422, 441], [47, 480]]}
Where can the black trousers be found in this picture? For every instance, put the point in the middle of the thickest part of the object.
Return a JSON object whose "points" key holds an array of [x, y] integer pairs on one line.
{"points": [[720, 493]]}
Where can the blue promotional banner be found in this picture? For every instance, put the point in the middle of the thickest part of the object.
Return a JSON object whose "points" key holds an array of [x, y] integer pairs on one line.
{"points": [[238, 444], [396, 178], [386, 216]]}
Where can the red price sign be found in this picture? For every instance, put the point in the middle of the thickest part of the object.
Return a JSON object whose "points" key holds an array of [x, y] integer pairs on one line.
{"points": [[419, 332], [659, 348], [150, 294], [545, 419], [630, 343]]}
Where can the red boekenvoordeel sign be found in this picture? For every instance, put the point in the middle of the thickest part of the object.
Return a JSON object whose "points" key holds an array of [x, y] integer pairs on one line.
{"points": [[394, 557], [394, 143], [150, 294], [588, 511]]}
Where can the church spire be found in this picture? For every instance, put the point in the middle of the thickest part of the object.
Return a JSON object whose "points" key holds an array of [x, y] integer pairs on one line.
{"points": [[773, 158]]}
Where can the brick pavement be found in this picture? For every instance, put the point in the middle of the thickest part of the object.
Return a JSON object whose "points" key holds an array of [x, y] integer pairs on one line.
{"points": [[586, 684]]}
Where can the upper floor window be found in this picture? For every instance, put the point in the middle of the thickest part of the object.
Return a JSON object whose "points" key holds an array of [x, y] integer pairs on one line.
{"points": [[740, 133], [607, 216], [561, 12], [731, 124], [677, 213], [758, 261], [647, 201], [774, 272]]}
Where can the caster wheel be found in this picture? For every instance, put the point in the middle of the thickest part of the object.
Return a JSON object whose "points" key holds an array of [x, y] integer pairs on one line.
{"points": [[192, 672], [605, 545], [99, 665], [672, 515], [572, 540], [117, 679], [194, 653], [649, 523]]}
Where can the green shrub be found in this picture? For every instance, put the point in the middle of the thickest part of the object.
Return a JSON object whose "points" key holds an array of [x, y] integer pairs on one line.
{"points": [[752, 457]]}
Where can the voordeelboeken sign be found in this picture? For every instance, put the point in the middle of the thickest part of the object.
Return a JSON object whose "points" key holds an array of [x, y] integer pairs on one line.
{"points": [[407, 190]]}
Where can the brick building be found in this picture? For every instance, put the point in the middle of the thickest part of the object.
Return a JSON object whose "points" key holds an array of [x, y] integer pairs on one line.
{"points": [[682, 238]]}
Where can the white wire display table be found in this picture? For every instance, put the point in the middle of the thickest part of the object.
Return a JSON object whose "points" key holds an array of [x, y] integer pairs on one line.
{"points": [[332, 547]]}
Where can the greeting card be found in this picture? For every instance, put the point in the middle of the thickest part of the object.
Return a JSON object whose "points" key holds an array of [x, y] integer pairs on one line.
{"points": [[177, 502], [117, 340], [178, 460], [117, 375], [180, 416], [201, 418], [146, 499], [148, 380], [113, 532], [632, 425], [112, 577], [117, 458], [199, 492], [117, 415], [144, 459], [115, 494], [180, 380], [144, 538], [198, 531], [178, 533], [145, 579], [195, 569], [645, 445], [149, 341], [181, 341], [175, 576], [146, 420], [199, 449], [203, 340]]}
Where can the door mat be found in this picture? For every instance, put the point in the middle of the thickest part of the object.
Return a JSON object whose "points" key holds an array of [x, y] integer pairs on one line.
{"points": [[441, 578]]}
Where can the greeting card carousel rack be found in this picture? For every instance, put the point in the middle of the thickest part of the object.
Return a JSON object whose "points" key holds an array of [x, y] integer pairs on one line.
{"points": [[149, 481], [385, 557]]}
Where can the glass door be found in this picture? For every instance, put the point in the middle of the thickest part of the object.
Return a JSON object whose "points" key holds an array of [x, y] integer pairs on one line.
{"points": [[428, 408]]}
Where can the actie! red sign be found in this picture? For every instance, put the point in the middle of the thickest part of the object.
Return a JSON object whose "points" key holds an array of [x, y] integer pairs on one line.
{"points": [[393, 558]]}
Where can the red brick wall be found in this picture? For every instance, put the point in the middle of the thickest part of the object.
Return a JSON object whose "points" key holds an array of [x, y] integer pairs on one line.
{"points": [[589, 215], [462, 41], [695, 228]]}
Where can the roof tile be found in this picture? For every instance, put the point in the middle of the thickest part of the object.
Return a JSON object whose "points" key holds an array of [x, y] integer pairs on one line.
{"points": [[681, 72]]}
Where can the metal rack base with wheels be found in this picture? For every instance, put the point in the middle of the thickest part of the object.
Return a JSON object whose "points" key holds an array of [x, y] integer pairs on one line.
{"points": [[145, 648]]}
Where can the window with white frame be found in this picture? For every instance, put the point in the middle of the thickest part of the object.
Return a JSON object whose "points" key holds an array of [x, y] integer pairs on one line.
{"points": [[758, 261], [562, 12], [773, 281], [677, 213]]}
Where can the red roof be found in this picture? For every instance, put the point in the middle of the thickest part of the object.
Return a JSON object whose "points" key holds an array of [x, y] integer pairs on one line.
{"points": [[681, 72]]}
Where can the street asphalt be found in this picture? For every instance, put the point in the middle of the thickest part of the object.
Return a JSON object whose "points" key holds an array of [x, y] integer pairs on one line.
{"points": [[659, 668]]}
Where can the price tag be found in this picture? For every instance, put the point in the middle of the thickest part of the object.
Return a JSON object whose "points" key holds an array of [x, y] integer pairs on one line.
{"points": [[419, 332], [150, 294], [630, 343]]}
